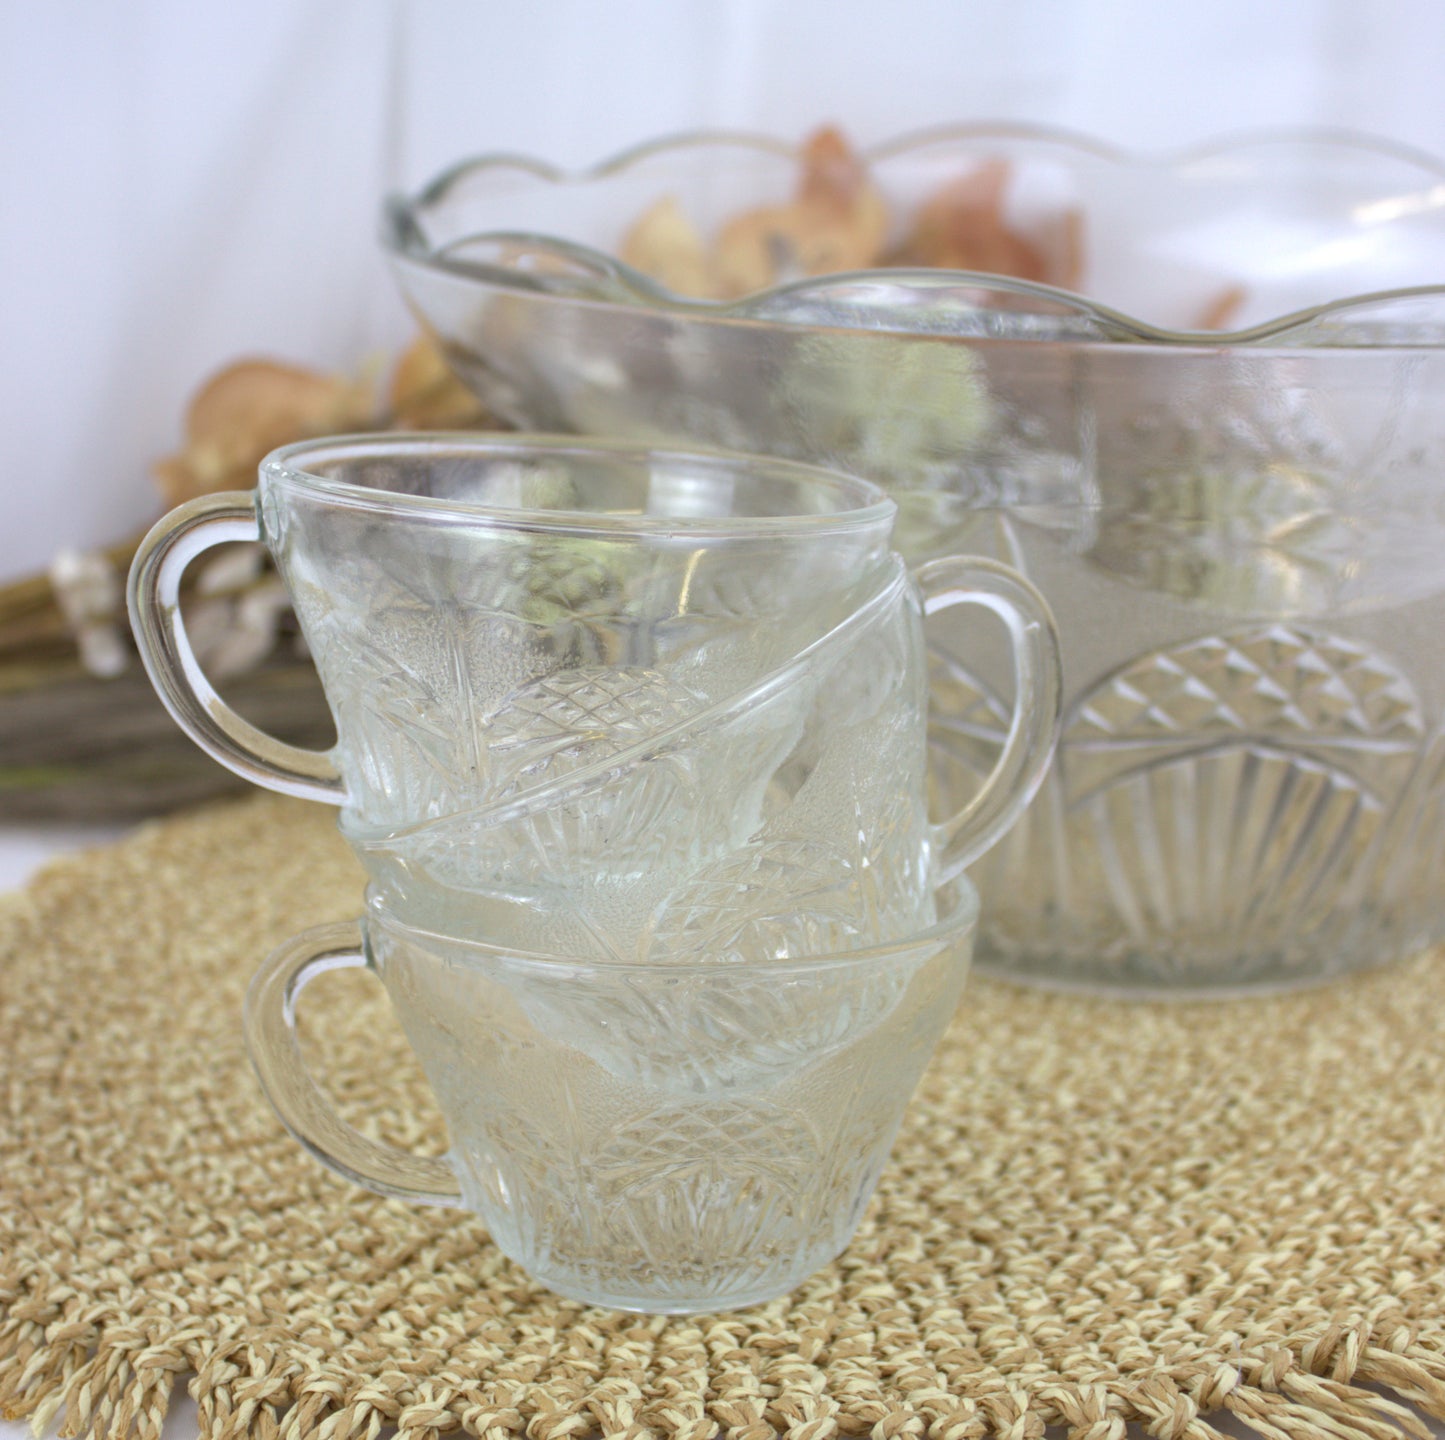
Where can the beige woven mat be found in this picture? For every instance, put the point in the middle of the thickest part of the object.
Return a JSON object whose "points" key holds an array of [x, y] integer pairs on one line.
{"points": [[1096, 1214]]}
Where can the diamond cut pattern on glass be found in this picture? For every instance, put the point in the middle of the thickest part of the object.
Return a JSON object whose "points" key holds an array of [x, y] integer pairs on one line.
{"points": [[568, 832], [576, 717], [1211, 809], [1274, 685]]}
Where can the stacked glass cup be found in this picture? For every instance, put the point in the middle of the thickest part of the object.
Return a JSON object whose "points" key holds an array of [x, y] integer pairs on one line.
{"points": [[632, 745]]}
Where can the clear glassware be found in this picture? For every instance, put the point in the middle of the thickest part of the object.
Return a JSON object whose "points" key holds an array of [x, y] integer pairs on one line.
{"points": [[788, 820], [630, 1170], [435, 574], [1238, 528], [588, 696]]}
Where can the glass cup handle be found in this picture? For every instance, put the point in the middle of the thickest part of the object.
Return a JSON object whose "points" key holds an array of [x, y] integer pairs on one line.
{"points": [[153, 596], [1038, 689], [270, 1025]]}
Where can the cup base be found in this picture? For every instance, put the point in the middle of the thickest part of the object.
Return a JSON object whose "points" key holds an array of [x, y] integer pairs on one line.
{"points": [[636, 1303]]}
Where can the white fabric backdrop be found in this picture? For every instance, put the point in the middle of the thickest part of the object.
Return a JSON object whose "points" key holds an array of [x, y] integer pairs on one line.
{"points": [[181, 184]]}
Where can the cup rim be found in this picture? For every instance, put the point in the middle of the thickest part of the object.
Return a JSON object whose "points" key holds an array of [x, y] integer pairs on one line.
{"points": [[871, 505], [959, 921]]}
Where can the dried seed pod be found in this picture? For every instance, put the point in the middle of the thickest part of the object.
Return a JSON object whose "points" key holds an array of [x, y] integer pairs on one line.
{"points": [[88, 590], [248, 409], [232, 634], [837, 221], [424, 394], [231, 569], [757, 249], [665, 246]]}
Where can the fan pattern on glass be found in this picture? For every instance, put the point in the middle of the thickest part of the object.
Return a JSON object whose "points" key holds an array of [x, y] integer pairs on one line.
{"points": [[1215, 807]]}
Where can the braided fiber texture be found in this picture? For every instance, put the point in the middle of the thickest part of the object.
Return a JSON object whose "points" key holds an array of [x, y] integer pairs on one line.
{"points": [[1096, 1214]]}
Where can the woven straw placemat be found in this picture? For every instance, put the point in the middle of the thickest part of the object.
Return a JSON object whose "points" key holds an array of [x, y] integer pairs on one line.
{"points": [[1096, 1213]]}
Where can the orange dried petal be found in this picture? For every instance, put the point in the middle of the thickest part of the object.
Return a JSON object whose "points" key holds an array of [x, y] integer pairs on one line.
{"points": [[843, 216], [1219, 313], [1068, 261], [962, 227], [834, 174]]}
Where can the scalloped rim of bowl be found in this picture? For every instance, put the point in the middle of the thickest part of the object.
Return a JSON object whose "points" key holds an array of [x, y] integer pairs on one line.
{"points": [[405, 238]]}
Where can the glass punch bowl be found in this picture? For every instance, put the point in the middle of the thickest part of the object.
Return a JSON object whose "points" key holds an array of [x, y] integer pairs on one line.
{"points": [[1220, 453]]}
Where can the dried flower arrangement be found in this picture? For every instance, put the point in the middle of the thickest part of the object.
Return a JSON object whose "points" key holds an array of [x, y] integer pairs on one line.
{"points": [[82, 735], [837, 219]]}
